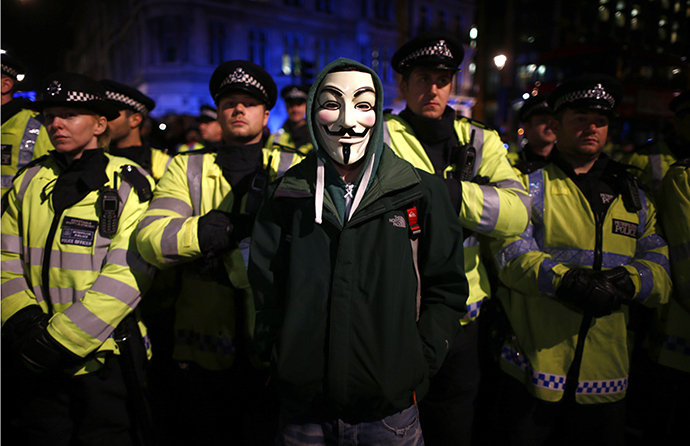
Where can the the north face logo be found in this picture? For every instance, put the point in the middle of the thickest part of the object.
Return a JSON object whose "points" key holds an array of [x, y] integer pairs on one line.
{"points": [[625, 228], [398, 221]]}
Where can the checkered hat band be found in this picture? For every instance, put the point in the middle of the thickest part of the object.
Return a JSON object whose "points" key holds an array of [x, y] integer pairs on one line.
{"points": [[119, 97], [593, 93], [210, 114], [9, 70], [438, 49], [240, 77], [80, 96]]}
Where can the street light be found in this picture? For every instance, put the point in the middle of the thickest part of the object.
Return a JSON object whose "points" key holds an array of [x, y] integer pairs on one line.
{"points": [[500, 61]]}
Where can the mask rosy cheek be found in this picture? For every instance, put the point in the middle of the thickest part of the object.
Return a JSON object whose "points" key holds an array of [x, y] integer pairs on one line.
{"points": [[325, 117], [368, 120]]}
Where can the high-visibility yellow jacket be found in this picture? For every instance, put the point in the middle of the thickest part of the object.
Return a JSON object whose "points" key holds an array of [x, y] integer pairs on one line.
{"points": [[282, 140], [494, 211], [93, 281], [23, 140], [672, 347], [167, 236], [654, 161], [159, 163], [564, 234]]}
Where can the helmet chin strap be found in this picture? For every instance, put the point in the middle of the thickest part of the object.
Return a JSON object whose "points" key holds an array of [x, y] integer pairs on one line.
{"points": [[346, 153]]}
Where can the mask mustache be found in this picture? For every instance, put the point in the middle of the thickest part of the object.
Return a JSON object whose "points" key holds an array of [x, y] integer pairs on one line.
{"points": [[346, 131]]}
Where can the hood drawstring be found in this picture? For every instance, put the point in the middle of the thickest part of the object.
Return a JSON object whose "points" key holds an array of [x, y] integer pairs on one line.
{"points": [[320, 184]]}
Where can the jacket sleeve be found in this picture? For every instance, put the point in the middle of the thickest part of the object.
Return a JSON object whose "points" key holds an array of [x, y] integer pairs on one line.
{"points": [[501, 208], [523, 266], [115, 293], [16, 291], [268, 277], [674, 207], [444, 288], [167, 233]]}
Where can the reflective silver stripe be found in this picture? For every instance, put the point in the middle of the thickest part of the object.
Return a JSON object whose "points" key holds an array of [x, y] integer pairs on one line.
{"points": [[470, 241], [75, 261], [478, 145], [63, 296], [490, 208], [169, 249], [285, 162], [129, 259], [123, 193], [90, 323], [28, 176], [195, 165], [11, 243], [386, 133], [172, 204], [14, 286], [26, 147], [13, 266], [148, 220], [123, 292]]}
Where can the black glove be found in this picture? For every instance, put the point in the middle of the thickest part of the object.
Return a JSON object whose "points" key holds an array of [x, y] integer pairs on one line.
{"points": [[620, 278], [214, 231], [590, 291], [27, 332]]}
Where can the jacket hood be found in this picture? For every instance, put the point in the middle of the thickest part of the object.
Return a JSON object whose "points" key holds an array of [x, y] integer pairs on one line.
{"points": [[374, 146], [376, 138]]}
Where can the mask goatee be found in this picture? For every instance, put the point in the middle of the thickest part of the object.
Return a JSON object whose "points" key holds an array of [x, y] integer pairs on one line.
{"points": [[346, 154]]}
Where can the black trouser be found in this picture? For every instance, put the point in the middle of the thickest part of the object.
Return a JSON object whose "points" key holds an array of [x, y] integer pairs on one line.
{"points": [[446, 414], [229, 407], [526, 420], [61, 410]]}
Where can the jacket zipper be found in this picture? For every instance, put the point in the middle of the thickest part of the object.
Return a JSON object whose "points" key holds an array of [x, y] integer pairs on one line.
{"points": [[573, 375]]}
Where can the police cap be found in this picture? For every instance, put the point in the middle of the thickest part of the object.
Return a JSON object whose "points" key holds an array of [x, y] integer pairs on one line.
{"points": [[125, 97], [534, 105], [295, 93], [437, 50], [246, 76], [680, 104], [10, 66], [590, 91], [74, 90], [207, 114]]}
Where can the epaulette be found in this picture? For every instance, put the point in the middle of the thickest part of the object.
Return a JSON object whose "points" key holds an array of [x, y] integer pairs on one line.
{"points": [[682, 163], [138, 181], [482, 125], [527, 167], [630, 186]]}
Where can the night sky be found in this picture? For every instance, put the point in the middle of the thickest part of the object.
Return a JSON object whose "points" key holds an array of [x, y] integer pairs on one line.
{"points": [[36, 32]]}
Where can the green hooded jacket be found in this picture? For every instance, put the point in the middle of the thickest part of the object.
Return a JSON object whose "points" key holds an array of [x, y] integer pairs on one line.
{"points": [[339, 312]]}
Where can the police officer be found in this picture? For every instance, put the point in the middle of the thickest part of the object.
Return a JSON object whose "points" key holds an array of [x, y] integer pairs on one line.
{"points": [[591, 251], [209, 127], [655, 158], [201, 217], [72, 277], [669, 375], [23, 135], [293, 135], [485, 192], [125, 131], [535, 115]]}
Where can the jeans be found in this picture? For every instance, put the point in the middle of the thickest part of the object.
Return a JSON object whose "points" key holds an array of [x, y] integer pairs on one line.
{"points": [[399, 429]]}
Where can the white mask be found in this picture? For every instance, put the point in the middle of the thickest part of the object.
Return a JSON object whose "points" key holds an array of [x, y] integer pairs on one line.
{"points": [[344, 114]]}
